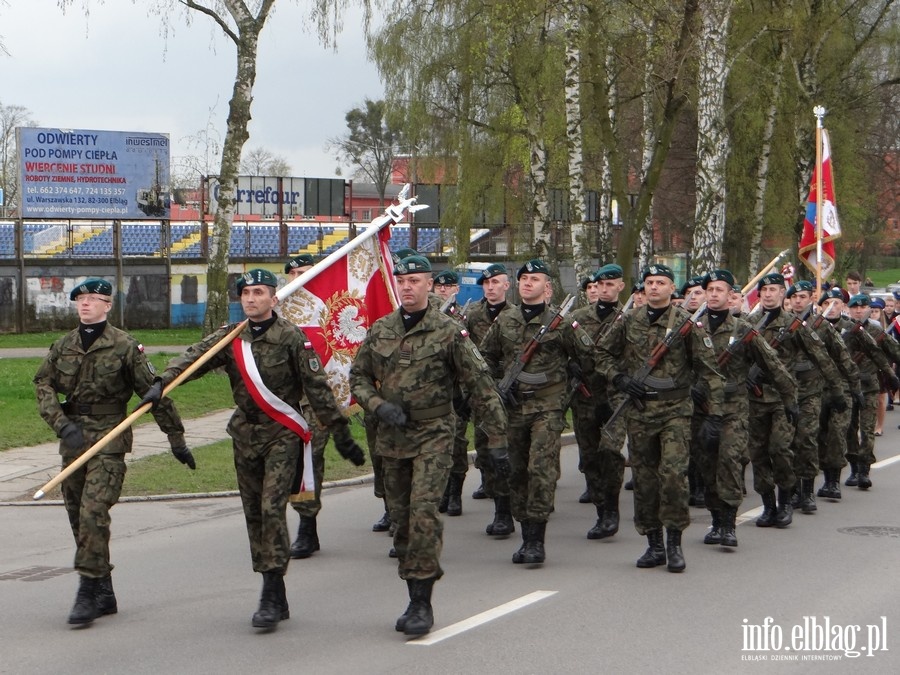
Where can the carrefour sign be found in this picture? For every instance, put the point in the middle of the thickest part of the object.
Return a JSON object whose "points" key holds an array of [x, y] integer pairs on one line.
{"points": [[262, 195]]}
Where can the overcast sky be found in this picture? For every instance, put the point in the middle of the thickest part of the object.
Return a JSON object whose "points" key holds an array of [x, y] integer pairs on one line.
{"points": [[115, 71]]}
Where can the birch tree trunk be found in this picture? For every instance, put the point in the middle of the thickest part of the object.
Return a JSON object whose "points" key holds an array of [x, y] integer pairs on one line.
{"points": [[604, 229], [713, 142], [542, 235], [645, 247]]}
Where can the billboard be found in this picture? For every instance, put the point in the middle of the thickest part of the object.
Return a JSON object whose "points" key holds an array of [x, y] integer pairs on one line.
{"points": [[76, 173], [261, 195]]}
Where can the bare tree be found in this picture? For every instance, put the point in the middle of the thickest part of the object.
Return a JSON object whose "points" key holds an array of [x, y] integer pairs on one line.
{"points": [[11, 116], [263, 162]]}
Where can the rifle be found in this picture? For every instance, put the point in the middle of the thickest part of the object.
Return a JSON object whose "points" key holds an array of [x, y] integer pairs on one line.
{"points": [[512, 374], [735, 345], [821, 317], [777, 340], [605, 328], [653, 360], [447, 306], [464, 312]]}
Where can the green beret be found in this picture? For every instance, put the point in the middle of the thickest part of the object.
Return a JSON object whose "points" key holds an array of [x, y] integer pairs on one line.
{"points": [[585, 281], [720, 275], [256, 277], [493, 270], [860, 300], [638, 288], [677, 295], [404, 253], [836, 293], [92, 285], [608, 272], [302, 260], [800, 286], [737, 288], [691, 283], [533, 266], [412, 265], [446, 278], [657, 270], [771, 279]]}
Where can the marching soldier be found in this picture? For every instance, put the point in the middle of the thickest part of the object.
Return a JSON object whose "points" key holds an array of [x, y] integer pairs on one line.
{"points": [[494, 281], [535, 404], [772, 428], [600, 454], [658, 422], [404, 373], [737, 347], [97, 367], [271, 366]]}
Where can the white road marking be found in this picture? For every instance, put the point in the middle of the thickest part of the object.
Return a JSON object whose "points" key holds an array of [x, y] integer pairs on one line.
{"points": [[748, 515], [886, 462], [482, 618]]}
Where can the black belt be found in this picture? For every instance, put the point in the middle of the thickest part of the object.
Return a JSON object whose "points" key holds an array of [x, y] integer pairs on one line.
{"points": [[668, 394], [87, 409], [546, 392], [422, 414], [731, 387]]}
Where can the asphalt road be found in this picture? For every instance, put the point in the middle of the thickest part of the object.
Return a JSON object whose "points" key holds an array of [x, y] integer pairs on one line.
{"points": [[186, 593]]}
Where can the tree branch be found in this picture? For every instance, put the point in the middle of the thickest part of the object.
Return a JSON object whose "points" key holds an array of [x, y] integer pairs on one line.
{"points": [[214, 16]]}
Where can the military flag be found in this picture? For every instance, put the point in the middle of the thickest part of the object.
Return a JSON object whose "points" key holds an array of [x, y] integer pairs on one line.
{"points": [[826, 224]]}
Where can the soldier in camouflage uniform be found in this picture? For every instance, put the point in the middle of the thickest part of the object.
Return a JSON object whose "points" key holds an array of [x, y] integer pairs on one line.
{"points": [[694, 296], [494, 281], [659, 421], [590, 288], [404, 373], [600, 452], [771, 432], [737, 348], [446, 286], [535, 406], [267, 452], [861, 435], [97, 367]]}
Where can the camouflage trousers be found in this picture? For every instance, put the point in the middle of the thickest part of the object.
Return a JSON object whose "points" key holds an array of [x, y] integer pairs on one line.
{"points": [[770, 447], [721, 470], [460, 446], [533, 447], [311, 507], [861, 433], [414, 486], [494, 486], [600, 457], [659, 462], [370, 421], [806, 439], [265, 474], [832, 438], [89, 494]]}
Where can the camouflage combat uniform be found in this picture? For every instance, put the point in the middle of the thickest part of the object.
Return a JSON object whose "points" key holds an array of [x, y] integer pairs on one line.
{"points": [[659, 435], [833, 424], [97, 385], [416, 370], [536, 422], [267, 455]]}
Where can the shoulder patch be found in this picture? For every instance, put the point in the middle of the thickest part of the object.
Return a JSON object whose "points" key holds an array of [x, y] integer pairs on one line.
{"points": [[314, 364], [585, 339], [815, 336], [708, 342], [151, 368]]}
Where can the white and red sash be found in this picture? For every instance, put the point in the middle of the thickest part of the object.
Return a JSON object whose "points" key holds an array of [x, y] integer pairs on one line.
{"points": [[277, 409]]}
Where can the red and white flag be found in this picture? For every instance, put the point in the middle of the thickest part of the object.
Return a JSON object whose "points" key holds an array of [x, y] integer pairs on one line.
{"points": [[336, 308], [831, 228]]}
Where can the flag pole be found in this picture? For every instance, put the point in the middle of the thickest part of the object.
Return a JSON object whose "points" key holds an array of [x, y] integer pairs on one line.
{"points": [[819, 112], [393, 214]]}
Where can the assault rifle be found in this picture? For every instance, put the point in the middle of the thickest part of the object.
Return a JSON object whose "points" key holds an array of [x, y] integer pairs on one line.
{"points": [[512, 374], [777, 340], [735, 345], [464, 312], [656, 356]]}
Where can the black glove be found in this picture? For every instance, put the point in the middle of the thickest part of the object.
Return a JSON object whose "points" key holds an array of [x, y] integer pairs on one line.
{"points": [[573, 368], [500, 462], [391, 414], [72, 436], [510, 400], [792, 412], [892, 382], [698, 394], [347, 447], [629, 386], [837, 402], [183, 455], [154, 393], [604, 412], [462, 408], [858, 398], [710, 432]]}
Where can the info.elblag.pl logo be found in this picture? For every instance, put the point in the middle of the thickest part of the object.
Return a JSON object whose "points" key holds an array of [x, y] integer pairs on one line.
{"points": [[813, 639]]}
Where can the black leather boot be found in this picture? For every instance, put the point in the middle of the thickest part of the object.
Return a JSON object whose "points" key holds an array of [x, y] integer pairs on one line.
{"points": [[767, 517], [585, 497], [307, 541], [445, 499], [862, 471], [608, 523], [795, 495], [503, 524], [714, 536], [824, 491], [106, 597], [596, 531], [519, 556], [674, 554], [534, 547], [419, 616], [479, 491], [454, 501], [655, 555], [384, 524], [807, 500], [400, 625], [835, 484], [272, 601], [85, 609], [729, 526], [785, 514], [852, 480], [629, 484]]}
